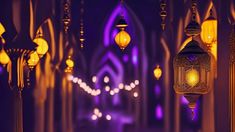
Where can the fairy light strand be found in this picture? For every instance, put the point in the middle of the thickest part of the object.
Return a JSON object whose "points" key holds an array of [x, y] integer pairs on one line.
{"points": [[112, 91]]}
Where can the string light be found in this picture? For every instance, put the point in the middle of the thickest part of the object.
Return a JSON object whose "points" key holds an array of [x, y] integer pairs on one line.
{"points": [[96, 92], [94, 79], [106, 79], [135, 94], [107, 88], [108, 117]]}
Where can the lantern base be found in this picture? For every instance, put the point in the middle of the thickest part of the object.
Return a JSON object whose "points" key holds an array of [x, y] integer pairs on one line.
{"points": [[192, 99]]}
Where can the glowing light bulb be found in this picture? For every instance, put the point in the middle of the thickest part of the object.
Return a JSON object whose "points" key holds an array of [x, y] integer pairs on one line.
{"points": [[116, 90], [4, 58], [96, 111], [192, 77], [75, 80], [106, 79], [108, 117], [111, 92], [100, 115], [121, 86], [107, 88], [94, 117], [135, 94], [128, 88], [94, 79], [132, 85], [137, 82]]}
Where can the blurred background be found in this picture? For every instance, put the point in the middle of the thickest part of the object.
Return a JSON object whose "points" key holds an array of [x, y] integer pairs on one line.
{"points": [[110, 90]]}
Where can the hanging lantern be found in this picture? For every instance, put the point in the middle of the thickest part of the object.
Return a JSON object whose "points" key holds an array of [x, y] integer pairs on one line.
{"points": [[209, 29], [70, 64], [192, 69], [4, 58], [192, 72], [157, 72], [209, 34], [2, 29], [122, 39], [33, 60], [42, 47]]}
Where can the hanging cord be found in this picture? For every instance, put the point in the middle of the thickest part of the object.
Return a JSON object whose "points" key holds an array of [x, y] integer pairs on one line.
{"points": [[82, 39], [163, 14], [194, 9], [122, 8]]}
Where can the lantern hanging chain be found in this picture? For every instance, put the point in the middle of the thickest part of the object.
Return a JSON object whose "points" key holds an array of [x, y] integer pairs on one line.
{"points": [[122, 8], [66, 18], [81, 39], [194, 10], [163, 13]]}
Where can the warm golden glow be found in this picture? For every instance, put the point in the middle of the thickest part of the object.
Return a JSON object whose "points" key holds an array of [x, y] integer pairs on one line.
{"points": [[42, 45], [70, 63], [209, 31], [192, 77], [33, 60], [157, 72], [2, 29], [4, 58], [122, 39]]}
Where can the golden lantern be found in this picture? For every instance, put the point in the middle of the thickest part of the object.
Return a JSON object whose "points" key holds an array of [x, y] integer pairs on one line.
{"points": [[4, 58], [157, 72], [209, 34], [2, 29], [192, 66], [33, 59], [70, 64], [192, 72], [42, 45], [122, 39], [209, 29]]}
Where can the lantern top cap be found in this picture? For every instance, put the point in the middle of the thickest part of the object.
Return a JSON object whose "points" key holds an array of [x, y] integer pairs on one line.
{"points": [[193, 28], [121, 23], [211, 16], [192, 48]]}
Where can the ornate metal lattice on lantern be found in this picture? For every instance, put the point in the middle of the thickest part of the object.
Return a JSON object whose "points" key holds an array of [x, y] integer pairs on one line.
{"points": [[192, 67]]}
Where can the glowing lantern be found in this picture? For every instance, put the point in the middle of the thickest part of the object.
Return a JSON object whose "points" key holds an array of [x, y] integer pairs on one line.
{"points": [[157, 72], [209, 34], [209, 29], [33, 59], [4, 58], [2, 29], [70, 64], [42, 45], [122, 39], [192, 72]]}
